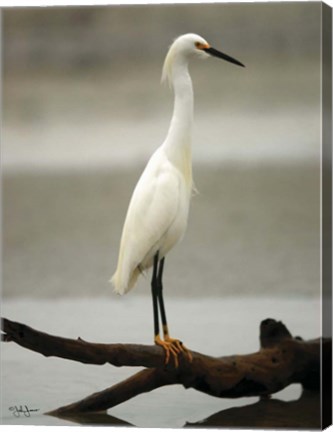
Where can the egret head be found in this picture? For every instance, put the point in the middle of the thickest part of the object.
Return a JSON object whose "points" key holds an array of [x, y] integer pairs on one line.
{"points": [[187, 46]]}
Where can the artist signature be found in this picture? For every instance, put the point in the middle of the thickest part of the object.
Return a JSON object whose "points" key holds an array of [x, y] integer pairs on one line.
{"points": [[22, 410]]}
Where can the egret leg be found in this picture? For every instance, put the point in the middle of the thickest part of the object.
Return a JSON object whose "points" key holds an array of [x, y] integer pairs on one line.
{"points": [[176, 343], [154, 297], [169, 348], [160, 299]]}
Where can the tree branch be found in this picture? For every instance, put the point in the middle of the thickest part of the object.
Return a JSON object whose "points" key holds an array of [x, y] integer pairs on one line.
{"points": [[281, 360], [142, 382], [81, 350]]}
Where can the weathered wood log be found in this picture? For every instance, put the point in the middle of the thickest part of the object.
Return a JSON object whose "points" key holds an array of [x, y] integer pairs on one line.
{"points": [[142, 382], [281, 360]]}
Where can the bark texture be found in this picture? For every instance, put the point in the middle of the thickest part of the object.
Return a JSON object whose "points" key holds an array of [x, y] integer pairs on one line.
{"points": [[281, 360]]}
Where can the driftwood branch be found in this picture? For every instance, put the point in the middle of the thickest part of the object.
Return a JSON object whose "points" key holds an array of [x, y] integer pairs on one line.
{"points": [[81, 350], [281, 360]]}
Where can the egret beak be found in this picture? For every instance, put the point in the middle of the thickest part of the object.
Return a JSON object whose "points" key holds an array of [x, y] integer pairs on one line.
{"points": [[215, 53]]}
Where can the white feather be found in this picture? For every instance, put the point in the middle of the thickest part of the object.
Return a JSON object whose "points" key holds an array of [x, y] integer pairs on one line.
{"points": [[158, 211]]}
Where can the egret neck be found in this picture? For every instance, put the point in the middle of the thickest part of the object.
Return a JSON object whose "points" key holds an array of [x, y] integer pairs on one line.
{"points": [[177, 144]]}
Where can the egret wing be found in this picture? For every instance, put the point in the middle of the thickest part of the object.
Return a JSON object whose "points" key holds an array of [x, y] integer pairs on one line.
{"points": [[151, 212]]}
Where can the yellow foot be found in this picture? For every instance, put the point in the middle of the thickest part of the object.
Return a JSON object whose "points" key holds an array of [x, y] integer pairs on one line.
{"points": [[170, 350], [180, 346], [172, 347]]}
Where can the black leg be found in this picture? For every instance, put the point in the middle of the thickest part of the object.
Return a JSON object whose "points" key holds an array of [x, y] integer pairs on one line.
{"points": [[154, 293], [160, 298], [171, 346]]}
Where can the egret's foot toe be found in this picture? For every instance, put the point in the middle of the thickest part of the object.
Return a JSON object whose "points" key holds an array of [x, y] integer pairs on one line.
{"points": [[170, 350], [180, 347]]}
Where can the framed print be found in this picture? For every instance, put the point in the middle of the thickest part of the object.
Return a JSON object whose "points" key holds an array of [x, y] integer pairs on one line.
{"points": [[166, 215]]}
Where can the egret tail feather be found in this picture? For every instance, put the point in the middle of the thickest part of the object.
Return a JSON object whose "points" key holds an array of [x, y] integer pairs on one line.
{"points": [[122, 286]]}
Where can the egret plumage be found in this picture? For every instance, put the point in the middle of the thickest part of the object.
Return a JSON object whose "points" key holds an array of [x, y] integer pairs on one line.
{"points": [[158, 211]]}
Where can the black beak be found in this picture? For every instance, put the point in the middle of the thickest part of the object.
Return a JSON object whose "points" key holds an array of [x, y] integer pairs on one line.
{"points": [[214, 52]]}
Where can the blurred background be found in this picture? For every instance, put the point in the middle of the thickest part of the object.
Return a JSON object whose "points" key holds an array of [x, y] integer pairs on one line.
{"points": [[83, 109]]}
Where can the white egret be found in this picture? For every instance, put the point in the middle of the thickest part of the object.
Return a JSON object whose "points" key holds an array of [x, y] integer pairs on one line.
{"points": [[158, 211]]}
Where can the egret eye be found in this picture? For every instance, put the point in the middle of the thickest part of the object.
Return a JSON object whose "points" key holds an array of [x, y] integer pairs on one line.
{"points": [[201, 46]]}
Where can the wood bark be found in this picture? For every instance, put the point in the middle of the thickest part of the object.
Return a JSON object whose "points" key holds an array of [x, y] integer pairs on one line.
{"points": [[281, 360]]}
